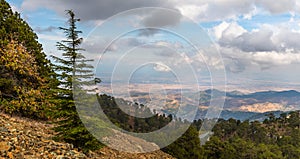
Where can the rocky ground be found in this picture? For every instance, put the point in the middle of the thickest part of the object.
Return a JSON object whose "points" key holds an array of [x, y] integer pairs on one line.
{"points": [[25, 138]]}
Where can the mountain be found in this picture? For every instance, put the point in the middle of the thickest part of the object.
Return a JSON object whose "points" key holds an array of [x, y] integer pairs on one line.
{"points": [[253, 106], [237, 104], [234, 100]]}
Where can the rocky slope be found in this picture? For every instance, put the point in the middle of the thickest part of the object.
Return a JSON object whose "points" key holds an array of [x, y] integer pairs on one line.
{"points": [[25, 138]]}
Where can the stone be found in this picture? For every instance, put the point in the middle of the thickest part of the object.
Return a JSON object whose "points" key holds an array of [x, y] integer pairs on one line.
{"points": [[4, 146], [10, 155], [3, 129]]}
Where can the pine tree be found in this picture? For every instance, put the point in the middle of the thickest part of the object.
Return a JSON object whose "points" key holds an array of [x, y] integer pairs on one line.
{"points": [[25, 73], [13, 27], [187, 146], [73, 71], [21, 86]]}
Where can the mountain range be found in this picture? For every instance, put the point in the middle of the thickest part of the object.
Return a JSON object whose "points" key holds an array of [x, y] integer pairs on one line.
{"points": [[241, 106]]}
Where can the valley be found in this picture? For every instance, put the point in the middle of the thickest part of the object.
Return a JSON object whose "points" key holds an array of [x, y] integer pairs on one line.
{"points": [[237, 104]]}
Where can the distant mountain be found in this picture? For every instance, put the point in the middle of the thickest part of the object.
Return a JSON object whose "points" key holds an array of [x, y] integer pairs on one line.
{"points": [[227, 114], [233, 100], [238, 105]]}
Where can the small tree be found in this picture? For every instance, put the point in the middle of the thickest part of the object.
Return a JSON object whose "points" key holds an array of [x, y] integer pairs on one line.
{"points": [[73, 71]]}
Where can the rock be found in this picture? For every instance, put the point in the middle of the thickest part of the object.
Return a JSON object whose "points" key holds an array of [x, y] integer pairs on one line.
{"points": [[61, 157], [3, 129], [10, 155], [15, 140], [4, 146]]}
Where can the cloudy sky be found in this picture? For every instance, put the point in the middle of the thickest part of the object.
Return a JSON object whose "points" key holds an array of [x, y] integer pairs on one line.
{"points": [[254, 44]]}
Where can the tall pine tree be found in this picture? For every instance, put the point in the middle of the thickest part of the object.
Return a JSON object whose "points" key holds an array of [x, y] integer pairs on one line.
{"points": [[73, 71]]}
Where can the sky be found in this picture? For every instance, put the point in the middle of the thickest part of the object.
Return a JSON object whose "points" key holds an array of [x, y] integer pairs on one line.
{"points": [[248, 45]]}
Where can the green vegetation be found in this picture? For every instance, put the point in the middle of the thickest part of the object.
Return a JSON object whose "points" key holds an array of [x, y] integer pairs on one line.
{"points": [[25, 74], [187, 146], [274, 138], [14, 28]]}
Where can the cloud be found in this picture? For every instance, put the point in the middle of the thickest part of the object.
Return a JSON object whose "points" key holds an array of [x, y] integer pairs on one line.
{"points": [[204, 10], [252, 41], [228, 31], [287, 40], [92, 9], [264, 39], [237, 61], [160, 67], [265, 47], [42, 30], [269, 59], [278, 6], [155, 20], [96, 46], [162, 18], [235, 65], [207, 10]]}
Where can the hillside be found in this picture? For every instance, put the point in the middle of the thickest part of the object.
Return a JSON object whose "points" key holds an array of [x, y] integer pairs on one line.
{"points": [[26, 138]]}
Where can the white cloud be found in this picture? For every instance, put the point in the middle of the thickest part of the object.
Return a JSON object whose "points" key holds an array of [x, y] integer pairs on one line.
{"points": [[228, 30], [237, 60], [278, 38], [207, 10], [192, 11], [160, 67]]}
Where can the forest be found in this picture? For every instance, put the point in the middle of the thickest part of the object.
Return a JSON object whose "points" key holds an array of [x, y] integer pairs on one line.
{"points": [[40, 88]]}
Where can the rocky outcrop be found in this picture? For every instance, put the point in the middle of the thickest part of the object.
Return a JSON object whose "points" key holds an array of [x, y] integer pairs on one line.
{"points": [[25, 138]]}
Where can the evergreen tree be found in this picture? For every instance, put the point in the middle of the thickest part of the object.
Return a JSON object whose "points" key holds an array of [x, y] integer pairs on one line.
{"points": [[187, 146], [73, 71], [25, 73], [21, 86], [13, 27]]}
